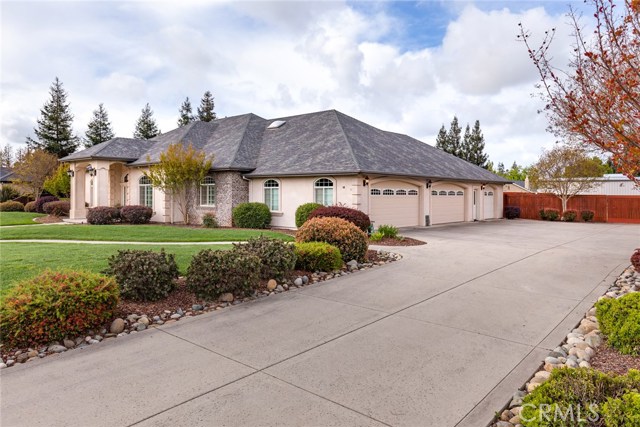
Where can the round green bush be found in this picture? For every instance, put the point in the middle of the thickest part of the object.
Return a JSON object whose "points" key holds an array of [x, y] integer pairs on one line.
{"points": [[317, 256], [303, 212], [143, 275], [338, 232], [569, 215], [55, 305], [354, 216], [276, 256], [622, 412], [213, 273], [619, 320], [251, 215], [587, 215], [209, 221], [11, 206]]}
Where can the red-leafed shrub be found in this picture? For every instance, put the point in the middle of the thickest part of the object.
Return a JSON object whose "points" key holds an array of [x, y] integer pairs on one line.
{"points": [[136, 214], [55, 305], [354, 216], [60, 208], [635, 260], [569, 215], [338, 232], [42, 200], [103, 215]]}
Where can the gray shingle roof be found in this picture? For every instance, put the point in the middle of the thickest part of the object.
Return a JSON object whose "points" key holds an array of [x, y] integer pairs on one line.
{"points": [[6, 174], [322, 143]]}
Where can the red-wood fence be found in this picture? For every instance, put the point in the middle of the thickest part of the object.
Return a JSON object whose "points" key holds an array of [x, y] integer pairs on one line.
{"points": [[606, 208]]}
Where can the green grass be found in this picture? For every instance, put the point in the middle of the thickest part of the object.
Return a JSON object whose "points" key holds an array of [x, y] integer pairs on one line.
{"points": [[136, 233], [18, 218], [23, 260]]}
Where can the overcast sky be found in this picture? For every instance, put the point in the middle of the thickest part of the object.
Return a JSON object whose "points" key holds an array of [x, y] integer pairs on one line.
{"points": [[407, 67]]}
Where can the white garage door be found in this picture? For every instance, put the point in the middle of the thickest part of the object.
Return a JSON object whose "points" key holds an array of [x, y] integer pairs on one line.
{"points": [[394, 203], [447, 204], [488, 205]]}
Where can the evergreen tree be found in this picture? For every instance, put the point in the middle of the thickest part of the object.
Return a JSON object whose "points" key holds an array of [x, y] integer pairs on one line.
{"points": [[54, 131], [454, 141], [475, 148], [205, 110], [6, 156], [146, 127], [465, 146], [501, 170], [442, 140], [99, 129], [186, 113]]}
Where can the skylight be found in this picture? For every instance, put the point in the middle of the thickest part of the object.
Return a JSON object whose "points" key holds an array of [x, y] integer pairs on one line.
{"points": [[276, 124]]}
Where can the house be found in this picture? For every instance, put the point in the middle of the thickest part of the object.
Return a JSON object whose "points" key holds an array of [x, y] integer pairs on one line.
{"points": [[326, 157], [7, 176], [518, 187], [614, 184]]}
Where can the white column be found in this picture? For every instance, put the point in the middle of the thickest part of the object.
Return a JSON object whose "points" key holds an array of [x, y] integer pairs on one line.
{"points": [[77, 201], [101, 186]]}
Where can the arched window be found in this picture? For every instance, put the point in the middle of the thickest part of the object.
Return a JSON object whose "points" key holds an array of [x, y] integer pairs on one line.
{"points": [[375, 192], [401, 192], [387, 192], [208, 191], [460, 193], [413, 192], [323, 191], [272, 194], [434, 193], [452, 193], [491, 193], [146, 191], [442, 193]]}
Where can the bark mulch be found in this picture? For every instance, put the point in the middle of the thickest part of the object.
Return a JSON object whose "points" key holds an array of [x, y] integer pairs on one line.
{"points": [[608, 359], [49, 219], [401, 241]]}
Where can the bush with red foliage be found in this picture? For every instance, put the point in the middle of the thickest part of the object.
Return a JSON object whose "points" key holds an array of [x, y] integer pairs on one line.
{"points": [[42, 200], [635, 260], [60, 208], [354, 216], [136, 214], [103, 215]]}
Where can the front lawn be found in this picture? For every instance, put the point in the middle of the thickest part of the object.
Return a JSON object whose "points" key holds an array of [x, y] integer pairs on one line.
{"points": [[137, 233], [18, 218], [23, 260]]}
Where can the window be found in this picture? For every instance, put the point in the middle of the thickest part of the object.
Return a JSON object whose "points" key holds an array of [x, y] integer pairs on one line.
{"points": [[442, 193], [146, 191], [434, 193], [387, 192], [323, 191], [375, 192], [272, 194], [491, 193], [208, 191], [452, 193], [401, 192], [414, 192], [460, 193]]}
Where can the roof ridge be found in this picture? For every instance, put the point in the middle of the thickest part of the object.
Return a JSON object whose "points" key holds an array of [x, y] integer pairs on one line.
{"points": [[353, 155], [244, 133]]}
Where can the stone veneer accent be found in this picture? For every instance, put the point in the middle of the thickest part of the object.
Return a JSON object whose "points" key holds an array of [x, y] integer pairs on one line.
{"points": [[231, 190]]}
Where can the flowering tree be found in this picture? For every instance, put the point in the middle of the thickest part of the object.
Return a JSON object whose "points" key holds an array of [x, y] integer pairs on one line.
{"points": [[597, 102]]}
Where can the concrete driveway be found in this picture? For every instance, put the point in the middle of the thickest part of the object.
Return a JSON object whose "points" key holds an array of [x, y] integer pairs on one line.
{"points": [[441, 338]]}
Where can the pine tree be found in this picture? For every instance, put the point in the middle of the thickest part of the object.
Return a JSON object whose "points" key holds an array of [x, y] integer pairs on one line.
{"points": [[146, 127], [205, 110], [453, 137], [475, 149], [99, 128], [465, 146], [6, 156], [54, 131], [186, 113], [442, 140], [501, 170]]}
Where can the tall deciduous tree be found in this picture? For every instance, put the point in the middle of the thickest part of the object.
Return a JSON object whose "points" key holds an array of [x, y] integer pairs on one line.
{"points": [[99, 129], [34, 169], [54, 131], [146, 126], [565, 171], [597, 101], [205, 110], [186, 113], [179, 173]]}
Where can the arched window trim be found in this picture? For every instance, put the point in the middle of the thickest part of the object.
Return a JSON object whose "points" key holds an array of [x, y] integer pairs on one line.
{"points": [[271, 194], [401, 192], [388, 192], [412, 193], [442, 193], [376, 192], [460, 193], [323, 191]]}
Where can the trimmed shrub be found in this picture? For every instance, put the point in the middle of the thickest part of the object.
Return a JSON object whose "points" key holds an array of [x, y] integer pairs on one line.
{"points": [[635, 260], [136, 214], [317, 256], [354, 216], [587, 215], [376, 237], [619, 320], [11, 206], [103, 215], [30, 207], [338, 232], [569, 389], [569, 215], [303, 212], [251, 215], [42, 200], [209, 220], [143, 275], [276, 256], [622, 412], [60, 208], [7, 193], [213, 273], [549, 214], [55, 305], [388, 231], [511, 212]]}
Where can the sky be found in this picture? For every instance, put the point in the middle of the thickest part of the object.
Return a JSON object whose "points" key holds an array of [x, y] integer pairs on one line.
{"points": [[406, 67]]}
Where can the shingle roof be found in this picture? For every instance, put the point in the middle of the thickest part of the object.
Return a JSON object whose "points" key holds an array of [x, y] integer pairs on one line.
{"points": [[6, 174], [322, 143]]}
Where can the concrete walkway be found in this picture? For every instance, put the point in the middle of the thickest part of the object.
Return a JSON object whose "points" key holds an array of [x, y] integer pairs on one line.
{"points": [[106, 242], [440, 338]]}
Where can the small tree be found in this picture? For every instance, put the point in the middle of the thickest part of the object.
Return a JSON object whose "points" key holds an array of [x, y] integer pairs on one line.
{"points": [[179, 173], [99, 129], [442, 142], [205, 110], [186, 113], [565, 171], [59, 184], [6, 156], [146, 127], [34, 169]]}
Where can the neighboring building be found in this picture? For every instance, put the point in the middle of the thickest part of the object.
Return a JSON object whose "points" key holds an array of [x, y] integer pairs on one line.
{"points": [[614, 184], [326, 157], [7, 176], [518, 187]]}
